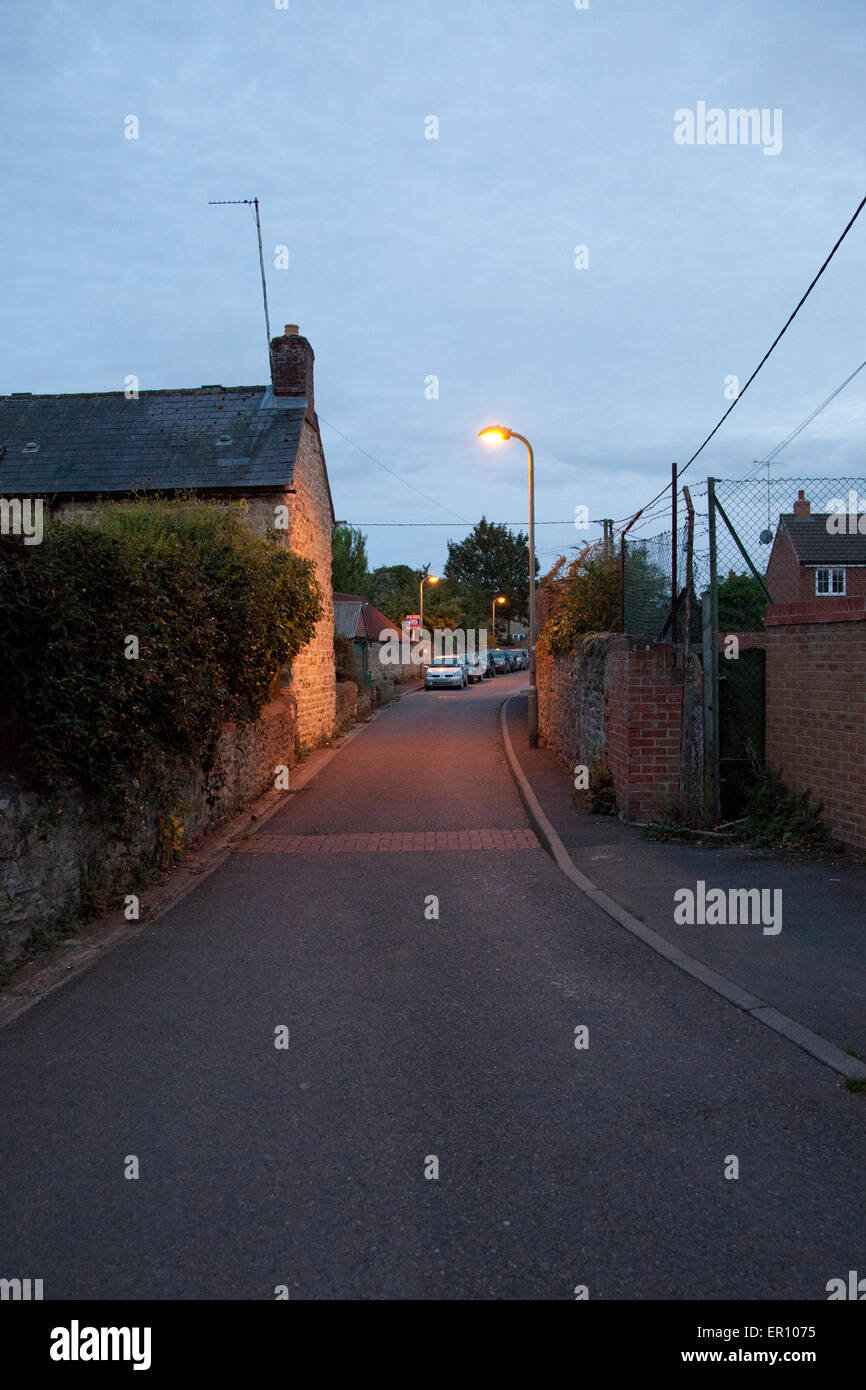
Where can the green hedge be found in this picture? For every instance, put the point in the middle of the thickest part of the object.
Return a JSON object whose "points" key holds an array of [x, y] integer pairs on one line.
{"points": [[217, 610]]}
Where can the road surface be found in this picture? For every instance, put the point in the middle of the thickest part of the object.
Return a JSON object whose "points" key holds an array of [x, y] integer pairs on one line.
{"points": [[413, 1038]]}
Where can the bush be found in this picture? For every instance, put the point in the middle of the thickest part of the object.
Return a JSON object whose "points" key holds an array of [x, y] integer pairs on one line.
{"points": [[600, 794], [779, 819], [345, 666], [217, 610], [585, 599]]}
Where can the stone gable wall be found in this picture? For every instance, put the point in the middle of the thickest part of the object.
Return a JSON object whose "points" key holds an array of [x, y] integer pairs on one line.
{"points": [[313, 682]]}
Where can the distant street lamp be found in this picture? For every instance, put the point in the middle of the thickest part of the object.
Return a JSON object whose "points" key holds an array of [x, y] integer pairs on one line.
{"points": [[428, 579], [495, 601], [497, 434]]}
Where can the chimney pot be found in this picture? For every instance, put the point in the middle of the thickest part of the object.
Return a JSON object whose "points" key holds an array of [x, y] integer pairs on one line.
{"points": [[802, 506], [291, 330]]}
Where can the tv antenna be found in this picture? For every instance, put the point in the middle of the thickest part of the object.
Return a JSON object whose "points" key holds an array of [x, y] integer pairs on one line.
{"points": [[254, 204]]}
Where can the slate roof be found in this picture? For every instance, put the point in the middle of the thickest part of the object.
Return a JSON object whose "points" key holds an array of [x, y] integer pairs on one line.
{"points": [[357, 619], [211, 438], [813, 544]]}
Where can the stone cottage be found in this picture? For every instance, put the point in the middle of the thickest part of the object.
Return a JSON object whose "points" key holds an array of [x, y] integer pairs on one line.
{"points": [[256, 443]]}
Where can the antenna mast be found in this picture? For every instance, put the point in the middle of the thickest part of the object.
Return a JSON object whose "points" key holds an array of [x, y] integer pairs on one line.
{"points": [[254, 204]]}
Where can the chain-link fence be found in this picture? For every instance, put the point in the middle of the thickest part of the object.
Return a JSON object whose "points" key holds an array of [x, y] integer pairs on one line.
{"points": [[800, 534], [782, 541], [647, 583], [706, 586], [662, 583]]}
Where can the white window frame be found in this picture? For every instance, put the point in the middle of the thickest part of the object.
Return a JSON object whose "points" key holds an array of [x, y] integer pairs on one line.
{"points": [[831, 571]]}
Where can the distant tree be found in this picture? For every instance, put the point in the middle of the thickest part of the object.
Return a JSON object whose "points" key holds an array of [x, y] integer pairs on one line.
{"points": [[492, 560], [348, 560], [394, 589], [647, 589], [741, 603], [442, 609]]}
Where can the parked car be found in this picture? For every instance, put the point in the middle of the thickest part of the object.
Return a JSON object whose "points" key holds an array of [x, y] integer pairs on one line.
{"points": [[501, 660], [474, 667], [446, 673], [520, 658]]}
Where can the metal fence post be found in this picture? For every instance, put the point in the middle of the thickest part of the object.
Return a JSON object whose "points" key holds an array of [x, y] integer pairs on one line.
{"points": [[710, 635], [674, 590], [622, 564], [687, 705]]}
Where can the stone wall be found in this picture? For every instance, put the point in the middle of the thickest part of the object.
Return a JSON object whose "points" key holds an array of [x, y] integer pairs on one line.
{"points": [[57, 859], [571, 700], [354, 702], [310, 531]]}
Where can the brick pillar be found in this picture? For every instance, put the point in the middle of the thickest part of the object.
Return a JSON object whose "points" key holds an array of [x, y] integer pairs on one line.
{"points": [[644, 702]]}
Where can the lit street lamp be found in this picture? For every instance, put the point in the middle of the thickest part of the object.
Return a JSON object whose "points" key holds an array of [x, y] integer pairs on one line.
{"points": [[497, 434], [428, 579], [495, 601]]}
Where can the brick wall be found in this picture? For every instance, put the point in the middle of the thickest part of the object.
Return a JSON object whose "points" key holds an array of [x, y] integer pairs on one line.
{"points": [[816, 706], [644, 726], [623, 696]]}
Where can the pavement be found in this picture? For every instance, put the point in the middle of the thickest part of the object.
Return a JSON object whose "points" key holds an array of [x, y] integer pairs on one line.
{"points": [[813, 970], [429, 994]]}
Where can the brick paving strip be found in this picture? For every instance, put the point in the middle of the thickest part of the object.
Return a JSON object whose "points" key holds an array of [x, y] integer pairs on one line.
{"points": [[388, 842]]}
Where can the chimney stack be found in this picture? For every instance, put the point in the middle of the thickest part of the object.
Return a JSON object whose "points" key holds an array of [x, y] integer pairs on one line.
{"points": [[802, 506], [292, 366]]}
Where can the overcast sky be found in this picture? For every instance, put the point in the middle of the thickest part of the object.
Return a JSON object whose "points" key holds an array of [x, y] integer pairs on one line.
{"points": [[454, 258]]}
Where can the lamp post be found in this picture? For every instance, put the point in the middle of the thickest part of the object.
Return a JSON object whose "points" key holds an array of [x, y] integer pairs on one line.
{"points": [[501, 599], [428, 579], [497, 434]]}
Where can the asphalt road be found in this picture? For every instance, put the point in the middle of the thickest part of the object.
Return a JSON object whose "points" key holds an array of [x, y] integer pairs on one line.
{"points": [[411, 1037]]}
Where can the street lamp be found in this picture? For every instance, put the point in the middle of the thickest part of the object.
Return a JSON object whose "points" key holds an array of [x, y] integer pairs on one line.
{"points": [[428, 579], [501, 599], [498, 434]]}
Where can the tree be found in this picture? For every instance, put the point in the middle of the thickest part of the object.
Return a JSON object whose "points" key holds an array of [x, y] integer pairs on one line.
{"points": [[348, 560], [442, 608], [492, 560], [394, 589], [741, 603]]}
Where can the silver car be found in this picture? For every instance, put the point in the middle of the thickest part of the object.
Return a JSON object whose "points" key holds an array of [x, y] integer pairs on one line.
{"points": [[446, 673]]}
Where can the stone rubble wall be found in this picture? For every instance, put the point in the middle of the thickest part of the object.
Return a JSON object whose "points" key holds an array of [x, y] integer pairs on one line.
{"points": [[55, 854]]}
